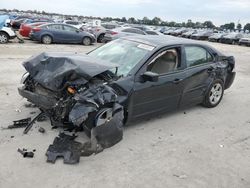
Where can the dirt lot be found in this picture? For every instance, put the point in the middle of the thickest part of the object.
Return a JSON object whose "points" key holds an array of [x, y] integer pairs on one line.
{"points": [[201, 148]]}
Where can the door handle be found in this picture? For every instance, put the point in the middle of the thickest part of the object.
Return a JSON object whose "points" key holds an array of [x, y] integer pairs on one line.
{"points": [[177, 81]]}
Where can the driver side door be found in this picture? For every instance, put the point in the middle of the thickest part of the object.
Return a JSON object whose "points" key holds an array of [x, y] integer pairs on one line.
{"points": [[163, 95]]}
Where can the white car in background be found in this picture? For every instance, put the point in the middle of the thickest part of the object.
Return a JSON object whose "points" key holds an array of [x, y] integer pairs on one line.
{"points": [[6, 33], [76, 24]]}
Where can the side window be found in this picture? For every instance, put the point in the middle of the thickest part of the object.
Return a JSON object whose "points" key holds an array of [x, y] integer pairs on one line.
{"points": [[151, 32], [129, 30], [56, 27], [165, 62], [68, 28], [139, 32], [196, 56]]}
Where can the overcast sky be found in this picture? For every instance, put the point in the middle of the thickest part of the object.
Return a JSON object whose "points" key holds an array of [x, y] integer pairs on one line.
{"points": [[218, 11]]}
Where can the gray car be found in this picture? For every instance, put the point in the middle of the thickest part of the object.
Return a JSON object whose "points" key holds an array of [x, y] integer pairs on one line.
{"points": [[61, 33], [122, 32], [98, 31]]}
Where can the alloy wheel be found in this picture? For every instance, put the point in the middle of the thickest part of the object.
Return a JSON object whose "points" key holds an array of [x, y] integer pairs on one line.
{"points": [[215, 93], [3, 38]]}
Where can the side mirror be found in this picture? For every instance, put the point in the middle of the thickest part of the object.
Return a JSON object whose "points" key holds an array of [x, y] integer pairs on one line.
{"points": [[150, 76], [78, 30]]}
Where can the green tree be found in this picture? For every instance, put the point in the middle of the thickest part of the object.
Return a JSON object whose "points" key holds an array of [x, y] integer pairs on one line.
{"points": [[190, 23], [145, 20], [239, 26], [124, 19], [131, 20], [156, 21], [209, 24], [171, 24], [228, 26], [247, 27]]}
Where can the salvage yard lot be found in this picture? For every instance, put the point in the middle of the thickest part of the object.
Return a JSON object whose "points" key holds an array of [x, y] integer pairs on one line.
{"points": [[195, 147]]}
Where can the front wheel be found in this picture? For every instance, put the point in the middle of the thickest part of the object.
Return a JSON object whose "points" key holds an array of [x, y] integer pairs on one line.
{"points": [[86, 41], [214, 94], [4, 38], [100, 38]]}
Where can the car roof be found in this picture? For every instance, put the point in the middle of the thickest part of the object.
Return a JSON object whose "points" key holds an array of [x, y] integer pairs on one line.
{"points": [[59, 24], [162, 40]]}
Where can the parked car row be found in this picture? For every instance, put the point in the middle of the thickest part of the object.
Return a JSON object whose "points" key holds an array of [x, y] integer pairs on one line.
{"points": [[210, 35], [48, 31]]}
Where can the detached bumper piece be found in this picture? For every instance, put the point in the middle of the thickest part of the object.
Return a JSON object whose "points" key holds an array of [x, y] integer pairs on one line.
{"points": [[102, 137], [64, 146]]}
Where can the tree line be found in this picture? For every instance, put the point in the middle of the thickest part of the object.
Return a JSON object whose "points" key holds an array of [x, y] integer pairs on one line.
{"points": [[156, 21]]}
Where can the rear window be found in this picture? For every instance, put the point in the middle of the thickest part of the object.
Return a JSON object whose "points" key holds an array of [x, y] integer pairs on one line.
{"points": [[55, 27], [197, 55]]}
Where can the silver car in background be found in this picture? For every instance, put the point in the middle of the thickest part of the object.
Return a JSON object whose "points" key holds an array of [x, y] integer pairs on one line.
{"points": [[122, 32]]}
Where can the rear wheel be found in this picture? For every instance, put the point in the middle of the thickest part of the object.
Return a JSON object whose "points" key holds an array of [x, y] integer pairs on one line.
{"points": [[86, 41], [46, 39], [100, 38], [4, 38], [214, 94]]}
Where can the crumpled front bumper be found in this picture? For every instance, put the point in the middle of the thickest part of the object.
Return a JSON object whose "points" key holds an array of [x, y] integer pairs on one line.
{"points": [[42, 101]]}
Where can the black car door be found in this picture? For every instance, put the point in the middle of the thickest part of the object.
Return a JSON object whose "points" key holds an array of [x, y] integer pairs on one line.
{"points": [[163, 95], [200, 69]]}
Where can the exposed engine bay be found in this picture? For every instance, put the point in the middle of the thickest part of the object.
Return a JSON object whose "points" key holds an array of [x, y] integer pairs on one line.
{"points": [[74, 93]]}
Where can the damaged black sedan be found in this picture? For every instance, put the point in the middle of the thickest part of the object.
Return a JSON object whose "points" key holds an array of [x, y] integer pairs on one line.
{"points": [[125, 80]]}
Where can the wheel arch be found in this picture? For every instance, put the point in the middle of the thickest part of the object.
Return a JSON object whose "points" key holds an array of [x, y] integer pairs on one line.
{"points": [[5, 33], [48, 34]]}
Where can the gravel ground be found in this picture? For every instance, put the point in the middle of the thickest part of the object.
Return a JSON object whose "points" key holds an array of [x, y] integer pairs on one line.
{"points": [[201, 148]]}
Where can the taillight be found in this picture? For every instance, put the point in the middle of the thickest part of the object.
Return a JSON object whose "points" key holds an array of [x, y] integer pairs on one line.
{"points": [[36, 29], [113, 33]]}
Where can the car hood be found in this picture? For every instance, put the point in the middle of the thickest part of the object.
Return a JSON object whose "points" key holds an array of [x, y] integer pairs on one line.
{"points": [[53, 70]]}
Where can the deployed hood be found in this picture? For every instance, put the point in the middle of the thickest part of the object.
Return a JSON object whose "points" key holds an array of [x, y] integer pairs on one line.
{"points": [[53, 70]]}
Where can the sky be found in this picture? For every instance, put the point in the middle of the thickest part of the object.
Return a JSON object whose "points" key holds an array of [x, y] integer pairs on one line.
{"points": [[218, 11]]}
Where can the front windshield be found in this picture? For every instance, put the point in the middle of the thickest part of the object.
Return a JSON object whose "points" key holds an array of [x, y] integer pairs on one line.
{"points": [[125, 53]]}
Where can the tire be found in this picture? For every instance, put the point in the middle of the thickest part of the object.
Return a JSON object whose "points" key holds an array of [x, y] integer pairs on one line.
{"points": [[46, 39], [4, 38], [86, 41], [100, 38], [214, 94]]}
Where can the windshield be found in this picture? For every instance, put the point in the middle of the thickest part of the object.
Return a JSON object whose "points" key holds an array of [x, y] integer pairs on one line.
{"points": [[126, 54]]}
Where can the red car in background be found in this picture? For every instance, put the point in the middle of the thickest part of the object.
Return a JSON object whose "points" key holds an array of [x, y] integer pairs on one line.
{"points": [[25, 29]]}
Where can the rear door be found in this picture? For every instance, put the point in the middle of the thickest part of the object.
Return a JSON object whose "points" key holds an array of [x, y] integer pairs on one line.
{"points": [[200, 72]]}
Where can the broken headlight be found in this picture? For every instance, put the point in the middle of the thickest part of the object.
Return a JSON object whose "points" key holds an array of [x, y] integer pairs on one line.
{"points": [[24, 77]]}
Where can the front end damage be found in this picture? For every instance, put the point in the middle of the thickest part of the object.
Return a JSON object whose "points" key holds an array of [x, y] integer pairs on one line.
{"points": [[74, 92]]}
